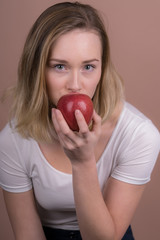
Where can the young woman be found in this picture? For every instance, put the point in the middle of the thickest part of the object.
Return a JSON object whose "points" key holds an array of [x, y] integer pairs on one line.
{"points": [[61, 184]]}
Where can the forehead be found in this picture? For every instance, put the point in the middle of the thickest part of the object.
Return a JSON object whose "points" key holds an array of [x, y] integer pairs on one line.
{"points": [[78, 41]]}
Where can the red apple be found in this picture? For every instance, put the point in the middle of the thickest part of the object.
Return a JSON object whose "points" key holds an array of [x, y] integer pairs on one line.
{"points": [[67, 104]]}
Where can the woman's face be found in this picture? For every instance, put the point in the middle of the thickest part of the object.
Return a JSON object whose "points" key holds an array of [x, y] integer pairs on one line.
{"points": [[74, 64]]}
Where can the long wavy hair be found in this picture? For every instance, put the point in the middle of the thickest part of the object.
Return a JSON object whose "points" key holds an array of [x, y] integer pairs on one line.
{"points": [[31, 106]]}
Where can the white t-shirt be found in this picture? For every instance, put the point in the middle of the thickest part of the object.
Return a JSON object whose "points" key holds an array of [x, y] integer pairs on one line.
{"points": [[129, 156]]}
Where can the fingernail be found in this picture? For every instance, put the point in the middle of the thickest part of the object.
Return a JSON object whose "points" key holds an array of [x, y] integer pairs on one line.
{"points": [[53, 110], [77, 111], [57, 112]]}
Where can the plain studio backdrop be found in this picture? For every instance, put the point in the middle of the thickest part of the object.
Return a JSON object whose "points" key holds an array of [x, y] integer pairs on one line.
{"points": [[134, 31]]}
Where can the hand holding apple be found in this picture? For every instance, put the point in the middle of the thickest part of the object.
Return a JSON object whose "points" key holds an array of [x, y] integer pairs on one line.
{"points": [[67, 104]]}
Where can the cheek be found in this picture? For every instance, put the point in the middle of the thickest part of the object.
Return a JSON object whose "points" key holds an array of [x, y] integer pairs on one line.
{"points": [[52, 82], [96, 80], [92, 88], [51, 86], [96, 83]]}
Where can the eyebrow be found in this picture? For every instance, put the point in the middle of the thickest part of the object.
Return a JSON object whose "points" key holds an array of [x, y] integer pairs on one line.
{"points": [[64, 61]]}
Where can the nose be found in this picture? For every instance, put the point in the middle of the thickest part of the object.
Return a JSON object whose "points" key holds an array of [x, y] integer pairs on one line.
{"points": [[74, 82]]}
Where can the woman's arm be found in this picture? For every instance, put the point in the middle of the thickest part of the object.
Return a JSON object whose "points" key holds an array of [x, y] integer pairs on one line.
{"points": [[108, 216], [122, 200], [23, 215], [94, 219], [100, 217]]}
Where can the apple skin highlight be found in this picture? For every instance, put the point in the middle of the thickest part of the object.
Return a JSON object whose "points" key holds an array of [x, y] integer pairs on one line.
{"points": [[67, 104]]}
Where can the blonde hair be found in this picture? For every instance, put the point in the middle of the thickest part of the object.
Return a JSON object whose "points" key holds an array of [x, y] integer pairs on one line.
{"points": [[31, 106]]}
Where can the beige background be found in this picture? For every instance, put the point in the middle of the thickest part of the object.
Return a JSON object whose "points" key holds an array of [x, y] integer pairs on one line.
{"points": [[134, 32]]}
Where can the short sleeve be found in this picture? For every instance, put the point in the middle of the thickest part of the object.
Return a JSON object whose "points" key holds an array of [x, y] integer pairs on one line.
{"points": [[138, 155], [13, 173]]}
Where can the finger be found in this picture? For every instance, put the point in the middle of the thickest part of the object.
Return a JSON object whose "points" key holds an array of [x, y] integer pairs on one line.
{"points": [[64, 133], [56, 125], [64, 130], [54, 120], [96, 127], [83, 127], [63, 126]]}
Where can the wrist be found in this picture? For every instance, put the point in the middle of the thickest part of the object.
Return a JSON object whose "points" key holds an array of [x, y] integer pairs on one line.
{"points": [[85, 164]]}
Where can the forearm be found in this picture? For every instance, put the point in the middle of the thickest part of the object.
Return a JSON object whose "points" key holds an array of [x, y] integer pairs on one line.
{"points": [[32, 233], [29, 228], [23, 216], [93, 216]]}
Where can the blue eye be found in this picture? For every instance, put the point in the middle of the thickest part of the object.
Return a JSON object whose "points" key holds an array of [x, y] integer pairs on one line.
{"points": [[59, 67], [89, 67]]}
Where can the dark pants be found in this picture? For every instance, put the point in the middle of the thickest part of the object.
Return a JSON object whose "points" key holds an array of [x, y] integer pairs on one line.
{"points": [[128, 235], [59, 234]]}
